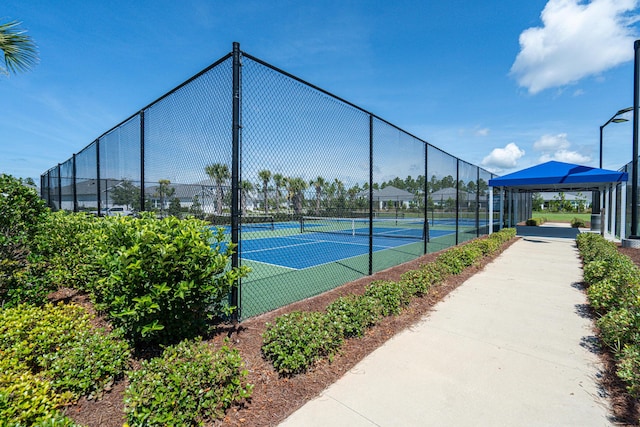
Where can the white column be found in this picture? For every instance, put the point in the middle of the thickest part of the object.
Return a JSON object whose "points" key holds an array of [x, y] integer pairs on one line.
{"points": [[502, 193], [614, 208], [623, 211], [490, 222]]}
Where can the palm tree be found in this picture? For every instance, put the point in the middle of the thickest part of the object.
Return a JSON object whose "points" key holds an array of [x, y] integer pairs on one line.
{"points": [[163, 192], [20, 52], [279, 181], [265, 176], [245, 188], [296, 186], [219, 173], [319, 185]]}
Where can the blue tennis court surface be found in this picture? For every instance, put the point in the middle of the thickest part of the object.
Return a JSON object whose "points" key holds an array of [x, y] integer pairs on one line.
{"points": [[313, 249]]}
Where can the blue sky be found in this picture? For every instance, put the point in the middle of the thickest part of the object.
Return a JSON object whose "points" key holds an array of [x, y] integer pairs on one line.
{"points": [[503, 84]]}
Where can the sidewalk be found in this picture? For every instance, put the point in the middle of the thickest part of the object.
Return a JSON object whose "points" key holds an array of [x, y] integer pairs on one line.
{"points": [[510, 347]]}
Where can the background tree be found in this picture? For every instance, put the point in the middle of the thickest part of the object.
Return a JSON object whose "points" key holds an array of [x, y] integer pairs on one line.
{"points": [[175, 208], [245, 188], [265, 176], [125, 193], [296, 187], [319, 184], [279, 182], [537, 202], [196, 208], [163, 192], [219, 173], [19, 51]]}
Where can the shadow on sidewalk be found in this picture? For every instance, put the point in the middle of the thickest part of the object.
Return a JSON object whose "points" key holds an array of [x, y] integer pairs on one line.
{"points": [[547, 231]]}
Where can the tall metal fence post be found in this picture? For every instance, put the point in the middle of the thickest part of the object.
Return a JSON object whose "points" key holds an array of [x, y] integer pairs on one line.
{"points": [[98, 191], [634, 155], [370, 194], [426, 199], [59, 188], [142, 195], [235, 177], [74, 185], [477, 201], [457, 198]]}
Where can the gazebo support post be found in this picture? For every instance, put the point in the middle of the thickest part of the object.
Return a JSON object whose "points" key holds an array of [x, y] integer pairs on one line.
{"points": [[490, 222], [623, 211]]}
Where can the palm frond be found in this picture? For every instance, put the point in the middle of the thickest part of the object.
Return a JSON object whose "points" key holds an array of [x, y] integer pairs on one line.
{"points": [[20, 52]]}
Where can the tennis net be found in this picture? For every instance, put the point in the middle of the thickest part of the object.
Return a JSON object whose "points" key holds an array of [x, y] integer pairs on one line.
{"points": [[258, 222], [413, 228]]}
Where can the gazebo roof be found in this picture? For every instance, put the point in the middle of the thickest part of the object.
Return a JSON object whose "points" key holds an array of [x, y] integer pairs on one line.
{"points": [[559, 176]]}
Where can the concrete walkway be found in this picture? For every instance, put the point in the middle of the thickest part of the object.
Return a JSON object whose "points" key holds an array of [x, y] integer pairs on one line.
{"points": [[510, 347]]}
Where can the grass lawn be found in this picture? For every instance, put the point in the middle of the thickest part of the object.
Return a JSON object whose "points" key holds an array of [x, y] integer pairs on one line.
{"points": [[562, 216]]}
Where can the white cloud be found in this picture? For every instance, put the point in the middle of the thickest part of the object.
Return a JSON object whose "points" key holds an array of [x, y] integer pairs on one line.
{"points": [[503, 158], [556, 147], [577, 39], [482, 132], [552, 142], [566, 156]]}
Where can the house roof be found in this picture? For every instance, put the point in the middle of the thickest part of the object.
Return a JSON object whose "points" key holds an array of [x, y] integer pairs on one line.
{"points": [[559, 176], [388, 193]]}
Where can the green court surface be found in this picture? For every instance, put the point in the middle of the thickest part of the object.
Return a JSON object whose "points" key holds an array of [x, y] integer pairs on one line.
{"points": [[271, 285]]}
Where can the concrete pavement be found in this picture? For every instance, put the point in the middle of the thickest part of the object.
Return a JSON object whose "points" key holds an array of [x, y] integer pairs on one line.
{"points": [[510, 347]]}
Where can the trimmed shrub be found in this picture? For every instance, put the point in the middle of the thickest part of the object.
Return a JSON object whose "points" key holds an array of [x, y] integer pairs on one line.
{"points": [[26, 399], [390, 297], [534, 222], [190, 384], [21, 215], [577, 222], [68, 242], [354, 314], [163, 278], [57, 343], [629, 368], [298, 339], [619, 327]]}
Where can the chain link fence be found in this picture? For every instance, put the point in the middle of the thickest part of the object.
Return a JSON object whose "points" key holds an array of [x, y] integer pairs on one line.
{"points": [[314, 190]]}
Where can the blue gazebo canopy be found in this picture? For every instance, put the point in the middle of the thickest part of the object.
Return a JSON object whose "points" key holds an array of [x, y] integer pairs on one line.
{"points": [[559, 176]]}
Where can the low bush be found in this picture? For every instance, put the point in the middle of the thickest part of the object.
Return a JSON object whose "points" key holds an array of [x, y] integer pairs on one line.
{"points": [[577, 222], [190, 384], [619, 327], [68, 242], [163, 279], [614, 291], [389, 297], [298, 339], [26, 399], [534, 222], [629, 368], [22, 212], [354, 314], [51, 356]]}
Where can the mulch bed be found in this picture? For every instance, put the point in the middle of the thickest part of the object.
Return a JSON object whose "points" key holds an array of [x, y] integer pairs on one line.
{"points": [[275, 397]]}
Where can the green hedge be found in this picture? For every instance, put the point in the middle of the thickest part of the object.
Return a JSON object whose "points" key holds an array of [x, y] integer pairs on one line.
{"points": [[162, 279], [51, 356], [614, 293], [190, 384], [297, 340]]}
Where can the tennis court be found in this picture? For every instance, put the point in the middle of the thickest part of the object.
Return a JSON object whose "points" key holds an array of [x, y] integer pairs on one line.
{"points": [[293, 260], [316, 248]]}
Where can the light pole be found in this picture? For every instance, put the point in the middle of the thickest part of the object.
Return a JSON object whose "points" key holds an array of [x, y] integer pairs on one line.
{"points": [[595, 199], [614, 119], [634, 156]]}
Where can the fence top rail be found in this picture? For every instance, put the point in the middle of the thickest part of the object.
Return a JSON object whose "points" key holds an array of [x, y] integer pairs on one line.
{"points": [[279, 70]]}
